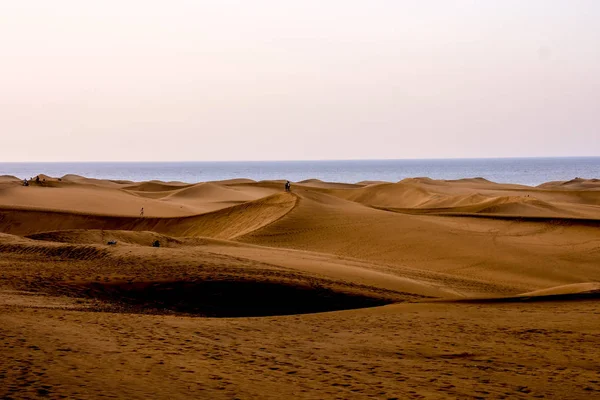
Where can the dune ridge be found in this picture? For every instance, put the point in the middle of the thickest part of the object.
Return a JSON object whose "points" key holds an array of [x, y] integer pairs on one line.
{"points": [[241, 219]]}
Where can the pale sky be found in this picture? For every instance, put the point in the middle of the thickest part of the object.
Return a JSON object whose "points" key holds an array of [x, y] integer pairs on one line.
{"points": [[296, 80]]}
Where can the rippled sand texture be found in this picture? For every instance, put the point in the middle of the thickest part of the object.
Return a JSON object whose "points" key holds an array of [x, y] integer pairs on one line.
{"points": [[416, 289]]}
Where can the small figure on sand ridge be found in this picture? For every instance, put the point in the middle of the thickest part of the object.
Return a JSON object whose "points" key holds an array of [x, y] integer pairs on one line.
{"points": [[288, 186], [142, 212]]}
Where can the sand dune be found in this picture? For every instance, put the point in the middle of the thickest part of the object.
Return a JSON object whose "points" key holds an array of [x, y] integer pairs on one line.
{"points": [[9, 178], [355, 222], [228, 223], [576, 288], [573, 184], [388, 195], [91, 236], [234, 181], [574, 292], [423, 195], [217, 193], [452, 261], [482, 249], [92, 181], [205, 197], [317, 183], [86, 199], [155, 187]]}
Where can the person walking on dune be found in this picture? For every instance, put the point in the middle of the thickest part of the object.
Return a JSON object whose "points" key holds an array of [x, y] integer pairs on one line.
{"points": [[142, 212], [288, 186]]}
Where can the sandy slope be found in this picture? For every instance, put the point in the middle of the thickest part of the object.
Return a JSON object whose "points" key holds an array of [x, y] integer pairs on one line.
{"points": [[573, 184], [9, 178], [502, 252], [420, 195], [459, 262], [508, 251], [227, 223]]}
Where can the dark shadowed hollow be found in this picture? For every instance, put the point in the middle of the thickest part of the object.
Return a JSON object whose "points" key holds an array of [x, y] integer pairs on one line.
{"points": [[222, 298]]}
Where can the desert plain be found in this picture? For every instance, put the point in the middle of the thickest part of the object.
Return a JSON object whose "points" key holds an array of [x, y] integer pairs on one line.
{"points": [[420, 289]]}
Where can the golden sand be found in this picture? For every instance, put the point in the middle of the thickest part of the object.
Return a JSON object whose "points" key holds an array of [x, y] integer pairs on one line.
{"points": [[416, 289]]}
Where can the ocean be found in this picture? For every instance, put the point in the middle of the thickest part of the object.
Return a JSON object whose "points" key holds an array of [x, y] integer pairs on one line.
{"points": [[527, 171]]}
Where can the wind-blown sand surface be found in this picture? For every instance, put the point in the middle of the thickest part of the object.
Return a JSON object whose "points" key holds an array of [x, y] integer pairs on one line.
{"points": [[415, 289]]}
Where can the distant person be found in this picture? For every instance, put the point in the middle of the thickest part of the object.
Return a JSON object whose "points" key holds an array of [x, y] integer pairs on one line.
{"points": [[142, 212], [288, 186]]}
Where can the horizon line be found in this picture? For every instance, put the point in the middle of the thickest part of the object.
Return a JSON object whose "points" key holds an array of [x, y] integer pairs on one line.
{"points": [[296, 160]]}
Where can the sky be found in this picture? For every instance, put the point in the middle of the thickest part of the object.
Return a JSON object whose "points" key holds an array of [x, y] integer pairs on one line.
{"points": [[225, 80]]}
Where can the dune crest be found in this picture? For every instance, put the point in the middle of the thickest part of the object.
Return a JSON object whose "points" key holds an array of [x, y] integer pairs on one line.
{"points": [[575, 288], [226, 223], [573, 184], [9, 178]]}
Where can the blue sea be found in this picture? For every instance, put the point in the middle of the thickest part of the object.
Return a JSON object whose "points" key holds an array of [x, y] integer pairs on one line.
{"points": [[527, 171]]}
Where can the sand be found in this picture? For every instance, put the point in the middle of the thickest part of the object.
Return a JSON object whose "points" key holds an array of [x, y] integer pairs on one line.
{"points": [[415, 289]]}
